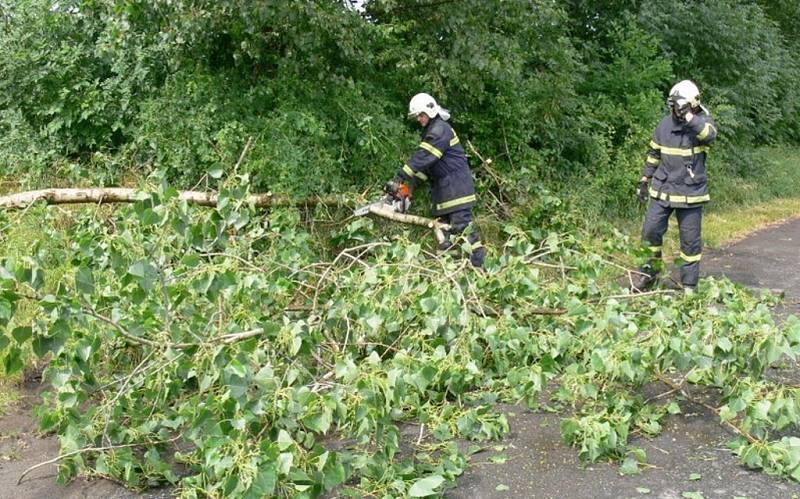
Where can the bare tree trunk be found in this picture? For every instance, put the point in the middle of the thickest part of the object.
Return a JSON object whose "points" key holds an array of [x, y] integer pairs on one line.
{"points": [[126, 195], [431, 223]]}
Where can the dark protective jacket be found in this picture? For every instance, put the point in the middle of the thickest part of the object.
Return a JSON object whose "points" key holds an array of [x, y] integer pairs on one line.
{"points": [[441, 158], [676, 160]]}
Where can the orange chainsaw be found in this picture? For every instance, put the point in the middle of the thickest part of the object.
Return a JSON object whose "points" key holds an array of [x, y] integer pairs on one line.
{"points": [[397, 198]]}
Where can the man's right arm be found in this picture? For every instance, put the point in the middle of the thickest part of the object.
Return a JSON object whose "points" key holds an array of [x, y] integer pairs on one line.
{"points": [[703, 127]]}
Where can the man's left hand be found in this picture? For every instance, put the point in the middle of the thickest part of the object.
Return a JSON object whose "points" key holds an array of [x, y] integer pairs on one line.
{"points": [[396, 189], [391, 187], [641, 191]]}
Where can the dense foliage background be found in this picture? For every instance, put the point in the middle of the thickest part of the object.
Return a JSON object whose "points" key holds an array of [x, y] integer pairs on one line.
{"points": [[236, 353], [558, 93]]}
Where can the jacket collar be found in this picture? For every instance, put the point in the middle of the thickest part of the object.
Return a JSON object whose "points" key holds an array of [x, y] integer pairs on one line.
{"points": [[675, 124], [431, 122]]}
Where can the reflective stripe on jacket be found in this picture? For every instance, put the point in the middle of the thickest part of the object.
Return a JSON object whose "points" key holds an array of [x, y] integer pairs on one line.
{"points": [[440, 158], [676, 160]]}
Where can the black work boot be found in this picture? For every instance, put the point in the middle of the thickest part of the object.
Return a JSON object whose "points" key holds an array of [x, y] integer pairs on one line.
{"points": [[477, 256], [643, 279], [445, 246]]}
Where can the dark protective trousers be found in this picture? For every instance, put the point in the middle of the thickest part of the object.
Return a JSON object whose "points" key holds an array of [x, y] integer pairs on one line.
{"points": [[459, 221], [689, 225]]}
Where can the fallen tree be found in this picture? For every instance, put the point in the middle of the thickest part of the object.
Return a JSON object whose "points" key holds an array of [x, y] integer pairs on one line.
{"points": [[105, 195], [264, 366], [257, 364]]}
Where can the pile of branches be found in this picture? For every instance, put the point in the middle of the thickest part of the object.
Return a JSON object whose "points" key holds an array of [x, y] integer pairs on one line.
{"points": [[235, 355]]}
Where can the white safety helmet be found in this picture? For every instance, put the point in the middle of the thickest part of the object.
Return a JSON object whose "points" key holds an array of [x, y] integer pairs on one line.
{"points": [[684, 92], [424, 103]]}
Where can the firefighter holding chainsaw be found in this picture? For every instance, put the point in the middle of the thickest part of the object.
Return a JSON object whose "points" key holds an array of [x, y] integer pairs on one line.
{"points": [[440, 159], [674, 180]]}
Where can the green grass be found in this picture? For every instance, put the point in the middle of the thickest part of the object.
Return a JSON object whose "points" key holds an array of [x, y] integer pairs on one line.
{"points": [[9, 396], [745, 205], [727, 226], [20, 233]]}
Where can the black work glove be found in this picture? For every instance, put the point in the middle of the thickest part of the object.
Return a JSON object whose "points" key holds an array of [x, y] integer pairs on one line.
{"points": [[641, 192], [391, 188]]}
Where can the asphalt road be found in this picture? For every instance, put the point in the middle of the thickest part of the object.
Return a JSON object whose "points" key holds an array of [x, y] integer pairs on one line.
{"points": [[539, 465]]}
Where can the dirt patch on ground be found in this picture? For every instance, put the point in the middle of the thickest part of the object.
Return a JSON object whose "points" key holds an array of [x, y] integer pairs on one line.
{"points": [[21, 446], [689, 456]]}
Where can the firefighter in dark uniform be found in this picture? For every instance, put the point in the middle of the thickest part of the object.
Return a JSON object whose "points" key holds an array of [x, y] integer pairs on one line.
{"points": [[441, 159], [674, 180]]}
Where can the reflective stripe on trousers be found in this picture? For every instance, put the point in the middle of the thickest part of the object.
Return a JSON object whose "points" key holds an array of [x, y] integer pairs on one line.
{"points": [[656, 222], [459, 221]]}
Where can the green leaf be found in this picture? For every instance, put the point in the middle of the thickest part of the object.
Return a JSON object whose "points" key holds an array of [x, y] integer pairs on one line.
{"points": [[726, 414], [642, 490], [724, 344], [68, 399], [236, 368], [319, 422], [501, 488], [148, 216], [474, 449], [216, 172], [426, 486], [285, 461], [284, 440], [576, 309], [145, 274], [693, 495], [597, 362], [370, 276], [638, 453], [265, 377], [429, 305], [6, 310], [630, 466], [374, 322], [13, 361], [695, 476], [335, 475], [21, 334], [761, 410], [673, 408], [265, 481], [84, 280]]}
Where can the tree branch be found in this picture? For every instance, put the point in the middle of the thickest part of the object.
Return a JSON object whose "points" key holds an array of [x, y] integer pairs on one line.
{"points": [[438, 227], [679, 388], [105, 195], [88, 449]]}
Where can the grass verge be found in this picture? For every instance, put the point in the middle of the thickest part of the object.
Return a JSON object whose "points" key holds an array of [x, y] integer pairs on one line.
{"points": [[728, 226], [21, 233], [9, 396]]}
